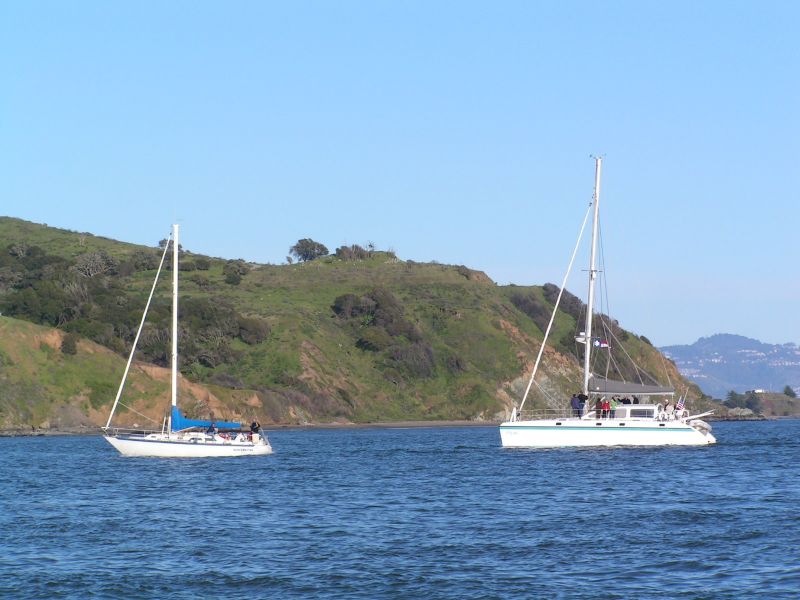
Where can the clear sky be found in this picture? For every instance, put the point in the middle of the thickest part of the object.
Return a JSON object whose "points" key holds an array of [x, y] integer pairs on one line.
{"points": [[450, 131]]}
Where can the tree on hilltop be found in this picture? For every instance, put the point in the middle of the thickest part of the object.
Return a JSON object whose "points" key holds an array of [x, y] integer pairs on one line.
{"points": [[788, 391], [307, 249]]}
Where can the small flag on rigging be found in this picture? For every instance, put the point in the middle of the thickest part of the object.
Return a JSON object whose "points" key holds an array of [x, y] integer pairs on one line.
{"points": [[598, 343]]}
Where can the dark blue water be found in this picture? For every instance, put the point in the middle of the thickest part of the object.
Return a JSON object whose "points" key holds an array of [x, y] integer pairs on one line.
{"points": [[409, 513]]}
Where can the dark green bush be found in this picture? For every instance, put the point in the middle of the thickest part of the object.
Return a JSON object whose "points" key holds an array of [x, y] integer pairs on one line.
{"points": [[533, 307], [374, 339], [415, 359], [253, 330], [69, 344]]}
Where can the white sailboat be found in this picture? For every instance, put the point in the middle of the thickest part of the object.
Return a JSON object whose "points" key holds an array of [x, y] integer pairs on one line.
{"points": [[648, 423], [179, 436]]}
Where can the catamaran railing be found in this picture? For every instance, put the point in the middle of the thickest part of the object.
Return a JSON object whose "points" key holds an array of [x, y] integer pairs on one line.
{"points": [[568, 413], [535, 415]]}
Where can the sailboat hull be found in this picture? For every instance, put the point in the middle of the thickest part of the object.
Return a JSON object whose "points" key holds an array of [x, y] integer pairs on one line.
{"points": [[565, 433], [163, 446]]}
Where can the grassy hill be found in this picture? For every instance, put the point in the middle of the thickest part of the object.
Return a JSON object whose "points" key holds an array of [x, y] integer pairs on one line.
{"points": [[373, 339], [42, 387]]}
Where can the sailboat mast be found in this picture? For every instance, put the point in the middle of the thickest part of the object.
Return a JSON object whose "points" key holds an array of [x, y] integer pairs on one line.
{"points": [[592, 276], [175, 246]]}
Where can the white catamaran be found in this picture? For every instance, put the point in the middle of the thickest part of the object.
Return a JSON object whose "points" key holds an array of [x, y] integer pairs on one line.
{"points": [[179, 436], [591, 422]]}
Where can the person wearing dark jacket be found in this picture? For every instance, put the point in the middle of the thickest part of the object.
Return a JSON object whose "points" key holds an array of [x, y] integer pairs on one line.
{"points": [[255, 429], [575, 404]]}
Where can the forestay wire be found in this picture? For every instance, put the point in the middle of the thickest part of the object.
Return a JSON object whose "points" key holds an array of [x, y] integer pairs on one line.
{"points": [[136, 339], [555, 307]]}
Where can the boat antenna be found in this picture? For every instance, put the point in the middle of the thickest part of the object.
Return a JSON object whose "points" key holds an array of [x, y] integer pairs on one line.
{"points": [[555, 307], [598, 161]]}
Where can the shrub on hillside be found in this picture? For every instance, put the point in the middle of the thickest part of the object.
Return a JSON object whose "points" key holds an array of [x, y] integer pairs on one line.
{"points": [[533, 307], [454, 364], [415, 359], [354, 252], [253, 330], [374, 339], [379, 308], [233, 271], [570, 303], [201, 281], [349, 306], [202, 264], [789, 391], [69, 344], [97, 263], [144, 260]]}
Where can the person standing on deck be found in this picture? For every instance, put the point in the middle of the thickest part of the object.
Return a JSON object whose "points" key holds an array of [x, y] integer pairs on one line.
{"points": [[583, 398], [613, 405], [255, 429], [575, 403], [598, 408], [606, 406]]}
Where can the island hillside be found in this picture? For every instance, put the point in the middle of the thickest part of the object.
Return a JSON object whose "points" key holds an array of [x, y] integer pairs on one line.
{"points": [[358, 335]]}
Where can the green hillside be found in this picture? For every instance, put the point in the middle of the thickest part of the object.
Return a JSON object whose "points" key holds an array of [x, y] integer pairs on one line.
{"points": [[362, 336], [42, 387]]}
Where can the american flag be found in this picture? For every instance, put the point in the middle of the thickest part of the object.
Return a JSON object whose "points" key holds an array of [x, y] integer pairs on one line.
{"points": [[681, 402]]}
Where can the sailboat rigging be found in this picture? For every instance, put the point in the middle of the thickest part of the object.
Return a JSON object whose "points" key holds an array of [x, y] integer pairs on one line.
{"points": [[591, 420], [180, 436]]}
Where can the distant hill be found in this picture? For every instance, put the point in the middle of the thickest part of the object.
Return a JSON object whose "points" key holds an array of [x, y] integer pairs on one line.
{"points": [[359, 335], [724, 362]]}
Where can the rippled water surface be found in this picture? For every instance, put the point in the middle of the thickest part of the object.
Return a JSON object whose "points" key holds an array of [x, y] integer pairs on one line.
{"points": [[405, 513]]}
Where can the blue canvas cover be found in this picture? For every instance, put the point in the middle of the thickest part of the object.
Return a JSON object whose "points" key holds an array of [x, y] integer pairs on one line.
{"points": [[180, 422]]}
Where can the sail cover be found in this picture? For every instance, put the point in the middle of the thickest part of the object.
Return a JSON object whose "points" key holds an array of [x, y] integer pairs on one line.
{"points": [[179, 422], [600, 385]]}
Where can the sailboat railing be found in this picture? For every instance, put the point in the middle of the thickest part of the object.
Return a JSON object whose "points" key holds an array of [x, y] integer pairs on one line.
{"points": [[114, 431]]}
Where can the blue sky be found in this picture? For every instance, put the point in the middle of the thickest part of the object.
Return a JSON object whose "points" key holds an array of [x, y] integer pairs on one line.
{"points": [[450, 131]]}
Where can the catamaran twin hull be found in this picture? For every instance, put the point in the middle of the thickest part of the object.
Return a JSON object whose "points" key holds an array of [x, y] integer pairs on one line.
{"points": [[553, 433], [157, 446]]}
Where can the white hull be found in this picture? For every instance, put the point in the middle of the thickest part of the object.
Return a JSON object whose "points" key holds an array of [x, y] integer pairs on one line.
{"points": [[159, 445], [564, 433]]}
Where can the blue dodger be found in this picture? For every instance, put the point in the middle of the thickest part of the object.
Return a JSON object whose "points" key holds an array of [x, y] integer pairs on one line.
{"points": [[180, 422]]}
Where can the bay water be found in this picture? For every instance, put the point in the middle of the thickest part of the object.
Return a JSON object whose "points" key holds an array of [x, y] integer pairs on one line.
{"points": [[405, 513]]}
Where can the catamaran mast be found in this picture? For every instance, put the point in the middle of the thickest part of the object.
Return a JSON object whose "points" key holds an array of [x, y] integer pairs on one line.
{"points": [[592, 276], [175, 246]]}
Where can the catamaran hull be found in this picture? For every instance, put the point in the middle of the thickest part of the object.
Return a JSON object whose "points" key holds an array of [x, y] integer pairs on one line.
{"points": [[565, 434], [139, 446]]}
